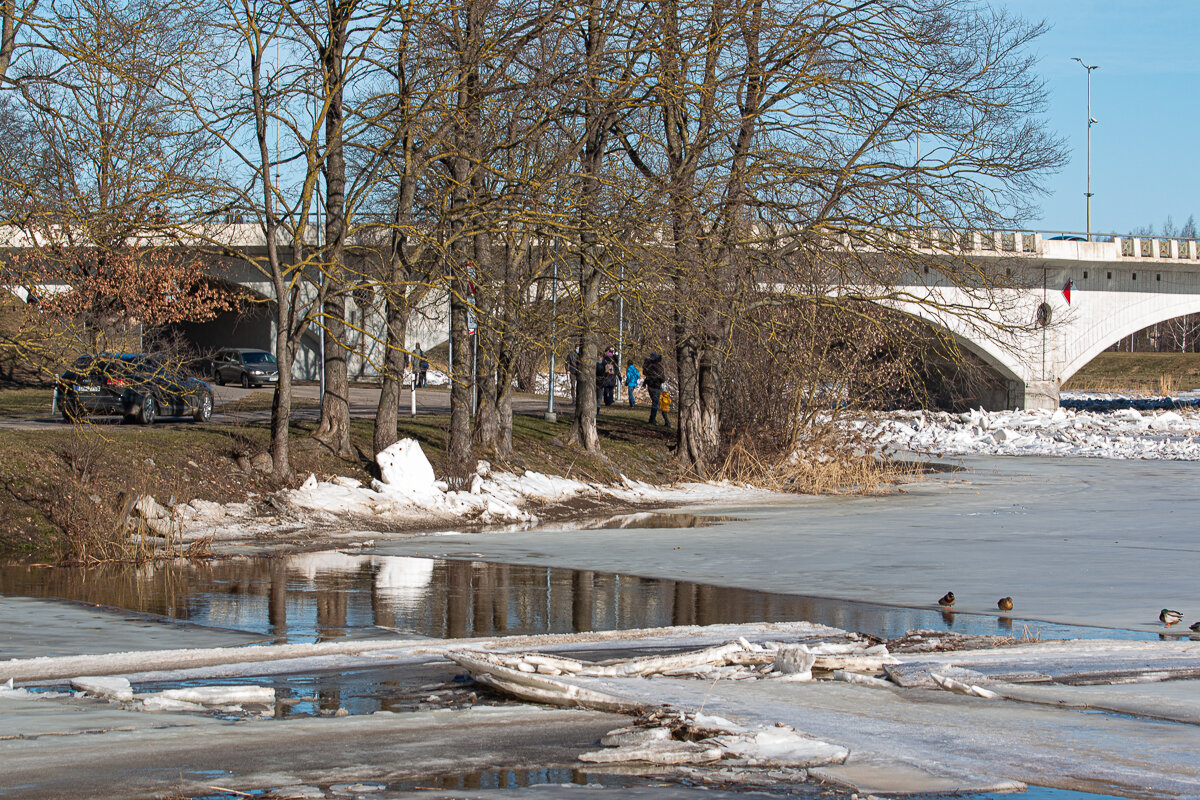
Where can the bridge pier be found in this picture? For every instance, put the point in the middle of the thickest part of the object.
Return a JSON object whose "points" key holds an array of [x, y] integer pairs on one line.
{"points": [[1033, 395]]}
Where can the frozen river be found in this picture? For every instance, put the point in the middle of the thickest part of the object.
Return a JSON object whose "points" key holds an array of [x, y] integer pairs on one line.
{"points": [[1080, 542], [1077, 541]]}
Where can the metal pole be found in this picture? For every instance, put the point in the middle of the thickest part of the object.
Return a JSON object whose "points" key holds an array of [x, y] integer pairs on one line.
{"points": [[1091, 121], [550, 415]]}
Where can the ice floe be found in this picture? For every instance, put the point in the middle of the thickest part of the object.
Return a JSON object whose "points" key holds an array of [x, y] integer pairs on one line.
{"points": [[1088, 430]]}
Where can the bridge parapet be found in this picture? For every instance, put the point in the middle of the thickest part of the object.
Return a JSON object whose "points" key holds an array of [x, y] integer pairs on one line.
{"points": [[1158, 248], [1035, 244]]}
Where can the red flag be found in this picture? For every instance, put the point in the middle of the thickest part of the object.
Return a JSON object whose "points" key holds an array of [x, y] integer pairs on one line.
{"points": [[1066, 290]]}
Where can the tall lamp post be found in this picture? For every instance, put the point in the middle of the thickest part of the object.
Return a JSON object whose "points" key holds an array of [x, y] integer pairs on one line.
{"points": [[1091, 121]]}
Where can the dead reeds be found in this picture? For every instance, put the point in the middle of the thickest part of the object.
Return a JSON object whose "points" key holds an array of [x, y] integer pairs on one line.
{"points": [[829, 462]]}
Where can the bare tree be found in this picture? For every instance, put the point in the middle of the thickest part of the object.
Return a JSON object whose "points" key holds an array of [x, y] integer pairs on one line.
{"points": [[100, 167], [786, 130]]}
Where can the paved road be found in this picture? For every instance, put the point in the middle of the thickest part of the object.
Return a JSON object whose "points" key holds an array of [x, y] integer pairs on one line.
{"points": [[364, 401]]}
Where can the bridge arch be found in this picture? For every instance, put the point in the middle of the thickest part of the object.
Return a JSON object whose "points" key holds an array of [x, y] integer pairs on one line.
{"points": [[1104, 333], [250, 324]]}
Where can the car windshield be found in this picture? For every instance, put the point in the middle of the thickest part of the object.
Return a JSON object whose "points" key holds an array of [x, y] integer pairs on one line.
{"points": [[258, 358]]}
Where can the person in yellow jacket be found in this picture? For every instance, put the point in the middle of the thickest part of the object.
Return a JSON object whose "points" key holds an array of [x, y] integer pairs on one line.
{"points": [[654, 376]]}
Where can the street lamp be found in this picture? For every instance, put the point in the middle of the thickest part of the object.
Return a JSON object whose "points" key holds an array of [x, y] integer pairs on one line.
{"points": [[1091, 121]]}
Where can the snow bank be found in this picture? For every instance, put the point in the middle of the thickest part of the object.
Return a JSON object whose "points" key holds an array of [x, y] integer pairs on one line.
{"points": [[409, 491], [1122, 433]]}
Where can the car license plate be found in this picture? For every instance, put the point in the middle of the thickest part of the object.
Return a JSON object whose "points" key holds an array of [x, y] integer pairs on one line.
{"points": [[272, 378], [91, 389]]}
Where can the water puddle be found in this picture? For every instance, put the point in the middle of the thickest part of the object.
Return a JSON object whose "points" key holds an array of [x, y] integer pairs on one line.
{"points": [[323, 596]]}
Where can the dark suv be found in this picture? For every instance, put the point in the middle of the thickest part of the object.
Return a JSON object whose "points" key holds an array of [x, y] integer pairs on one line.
{"points": [[245, 366], [133, 385]]}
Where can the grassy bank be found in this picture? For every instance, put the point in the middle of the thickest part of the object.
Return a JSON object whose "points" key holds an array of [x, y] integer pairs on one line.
{"points": [[1152, 373], [65, 491]]}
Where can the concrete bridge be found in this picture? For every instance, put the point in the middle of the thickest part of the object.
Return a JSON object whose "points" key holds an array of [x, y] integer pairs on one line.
{"points": [[1032, 336]]}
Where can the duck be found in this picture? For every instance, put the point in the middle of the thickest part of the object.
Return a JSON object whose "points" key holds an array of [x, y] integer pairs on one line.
{"points": [[1169, 617], [1195, 626], [1004, 604], [947, 600]]}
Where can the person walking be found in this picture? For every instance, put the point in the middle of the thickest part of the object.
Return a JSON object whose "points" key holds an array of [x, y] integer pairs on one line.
{"points": [[573, 372], [601, 382], [610, 376], [421, 365], [631, 380], [655, 376]]}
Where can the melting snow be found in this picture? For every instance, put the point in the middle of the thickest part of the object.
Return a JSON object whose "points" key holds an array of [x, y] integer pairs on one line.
{"points": [[1095, 429]]}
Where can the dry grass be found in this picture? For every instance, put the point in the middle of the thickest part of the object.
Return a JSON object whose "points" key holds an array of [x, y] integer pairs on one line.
{"points": [[1147, 373], [1166, 385], [828, 463]]}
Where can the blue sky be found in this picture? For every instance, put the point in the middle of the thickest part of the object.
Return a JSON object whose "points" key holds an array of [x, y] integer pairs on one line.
{"points": [[1146, 147]]}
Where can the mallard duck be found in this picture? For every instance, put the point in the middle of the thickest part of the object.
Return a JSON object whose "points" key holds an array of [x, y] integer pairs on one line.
{"points": [[1004, 604], [947, 600], [1169, 617]]}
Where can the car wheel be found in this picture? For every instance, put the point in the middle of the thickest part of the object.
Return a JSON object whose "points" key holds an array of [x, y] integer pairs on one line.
{"points": [[245, 381], [148, 411], [217, 377], [204, 408]]}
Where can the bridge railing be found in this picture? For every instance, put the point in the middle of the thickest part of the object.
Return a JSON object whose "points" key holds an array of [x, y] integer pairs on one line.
{"points": [[1031, 242], [1159, 247]]}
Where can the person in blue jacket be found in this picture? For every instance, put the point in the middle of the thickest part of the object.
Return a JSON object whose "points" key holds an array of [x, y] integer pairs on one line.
{"points": [[632, 376]]}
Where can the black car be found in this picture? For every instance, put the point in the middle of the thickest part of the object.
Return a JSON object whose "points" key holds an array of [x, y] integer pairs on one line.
{"points": [[246, 366], [133, 385]]}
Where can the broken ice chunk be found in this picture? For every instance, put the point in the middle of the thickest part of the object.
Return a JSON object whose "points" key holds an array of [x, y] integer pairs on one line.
{"points": [[634, 736], [661, 752], [109, 688], [795, 662]]}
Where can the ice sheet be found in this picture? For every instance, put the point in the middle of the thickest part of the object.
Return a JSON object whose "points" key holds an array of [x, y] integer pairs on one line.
{"points": [[34, 627]]}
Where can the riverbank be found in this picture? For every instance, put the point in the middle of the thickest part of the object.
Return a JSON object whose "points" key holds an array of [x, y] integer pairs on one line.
{"points": [[67, 491]]}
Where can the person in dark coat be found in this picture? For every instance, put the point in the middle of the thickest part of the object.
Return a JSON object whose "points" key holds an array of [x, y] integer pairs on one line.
{"points": [[654, 375], [610, 376], [601, 382], [573, 371], [421, 366]]}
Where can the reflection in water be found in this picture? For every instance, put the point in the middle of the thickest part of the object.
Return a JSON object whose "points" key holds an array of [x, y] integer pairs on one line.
{"points": [[658, 519], [328, 595]]}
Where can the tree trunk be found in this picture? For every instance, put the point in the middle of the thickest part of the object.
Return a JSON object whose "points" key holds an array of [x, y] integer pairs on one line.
{"points": [[583, 427], [459, 454], [487, 416], [334, 429], [506, 356], [281, 402], [387, 415]]}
